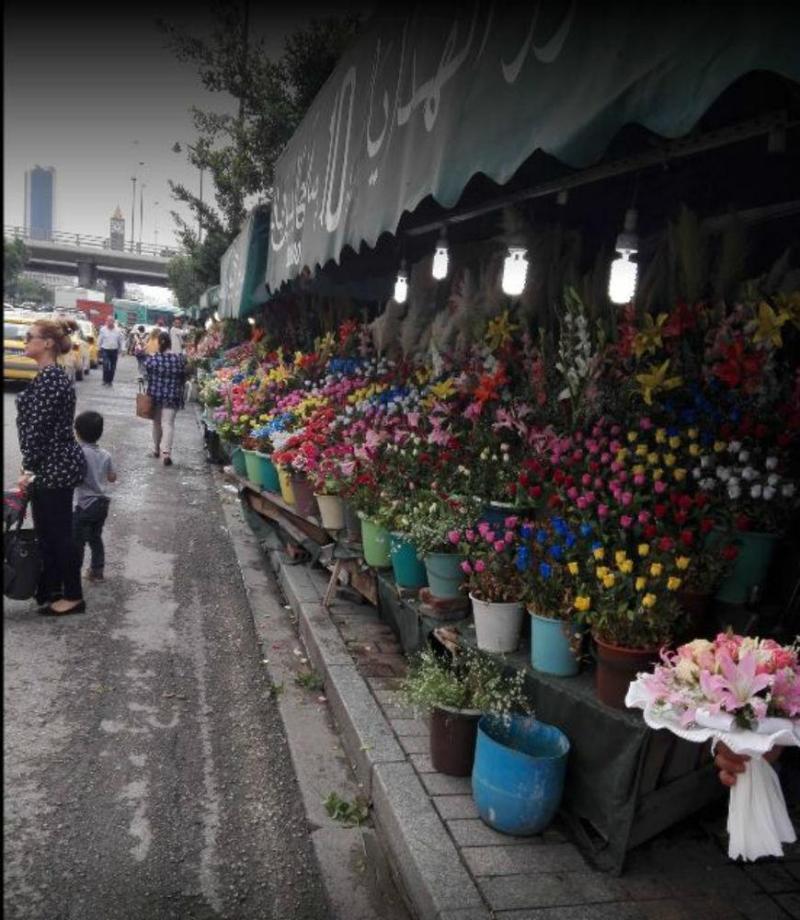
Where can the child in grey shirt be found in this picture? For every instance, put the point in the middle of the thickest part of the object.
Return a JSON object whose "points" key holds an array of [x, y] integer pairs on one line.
{"points": [[91, 502]]}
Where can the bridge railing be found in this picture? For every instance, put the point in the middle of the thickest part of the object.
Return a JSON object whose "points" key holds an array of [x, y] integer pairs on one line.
{"points": [[87, 241]]}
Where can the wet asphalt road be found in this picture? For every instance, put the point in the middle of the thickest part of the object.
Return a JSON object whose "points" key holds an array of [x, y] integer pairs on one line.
{"points": [[147, 773]]}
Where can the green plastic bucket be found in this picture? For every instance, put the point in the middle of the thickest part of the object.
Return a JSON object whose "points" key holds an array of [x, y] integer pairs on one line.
{"points": [[409, 570], [237, 460], [252, 467], [269, 474], [375, 540], [444, 574]]}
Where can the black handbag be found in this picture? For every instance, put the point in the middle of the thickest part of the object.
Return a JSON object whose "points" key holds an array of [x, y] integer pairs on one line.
{"points": [[22, 561]]}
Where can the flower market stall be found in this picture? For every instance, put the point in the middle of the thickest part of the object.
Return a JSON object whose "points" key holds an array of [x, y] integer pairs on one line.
{"points": [[577, 461]]}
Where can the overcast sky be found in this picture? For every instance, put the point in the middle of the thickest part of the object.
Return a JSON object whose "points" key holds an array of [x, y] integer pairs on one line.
{"points": [[94, 92]]}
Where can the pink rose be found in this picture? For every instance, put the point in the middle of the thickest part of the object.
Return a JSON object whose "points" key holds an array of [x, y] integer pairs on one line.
{"points": [[639, 479], [582, 503], [572, 493], [643, 517], [626, 499], [598, 482], [614, 485], [510, 522], [454, 537], [508, 536], [470, 535], [602, 511], [483, 526], [499, 546], [623, 476], [615, 429], [590, 497], [605, 457], [626, 520], [479, 565], [660, 486], [466, 568], [586, 479], [616, 466], [489, 536], [645, 423]]}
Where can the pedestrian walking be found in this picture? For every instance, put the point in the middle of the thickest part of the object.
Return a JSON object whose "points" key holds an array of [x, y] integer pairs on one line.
{"points": [[139, 339], [177, 335], [91, 500], [110, 341], [151, 344], [52, 465], [166, 375]]}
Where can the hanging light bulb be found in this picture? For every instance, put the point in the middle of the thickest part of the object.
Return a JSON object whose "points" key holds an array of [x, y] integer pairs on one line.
{"points": [[515, 271], [441, 258], [622, 280], [251, 320], [216, 317], [401, 284]]}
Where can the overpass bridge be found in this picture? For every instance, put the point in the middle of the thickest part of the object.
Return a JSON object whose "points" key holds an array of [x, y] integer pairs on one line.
{"points": [[92, 258]]}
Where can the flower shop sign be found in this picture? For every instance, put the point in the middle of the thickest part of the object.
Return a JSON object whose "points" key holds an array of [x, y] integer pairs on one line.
{"points": [[421, 103]]}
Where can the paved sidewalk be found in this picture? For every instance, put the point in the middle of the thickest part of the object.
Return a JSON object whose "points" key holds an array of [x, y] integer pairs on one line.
{"points": [[454, 867]]}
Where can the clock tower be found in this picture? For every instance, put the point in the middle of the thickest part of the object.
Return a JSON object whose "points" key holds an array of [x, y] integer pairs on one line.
{"points": [[117, 233]]}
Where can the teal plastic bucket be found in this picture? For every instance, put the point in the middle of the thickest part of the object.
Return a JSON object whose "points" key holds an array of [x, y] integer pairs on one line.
{"points": [[237, 460], [750, 567], [550, 646], [444, 574], [252, 466], [375, 540], [269, 473], [518, 775], [409, 570]]}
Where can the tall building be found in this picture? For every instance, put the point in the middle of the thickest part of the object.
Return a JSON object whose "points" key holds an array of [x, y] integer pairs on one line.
{"points": [[40, 193], [117, 230]]}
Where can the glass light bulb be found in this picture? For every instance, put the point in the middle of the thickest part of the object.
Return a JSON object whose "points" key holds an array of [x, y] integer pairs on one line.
{"points": [[622, 281], [251, 320], [515, 271], [440, 261], [401, 288], [216, 317]]}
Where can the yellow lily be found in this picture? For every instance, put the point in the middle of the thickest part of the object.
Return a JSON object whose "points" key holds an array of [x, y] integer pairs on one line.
{"points": [[499, 330], [769, 324], [656, 379], [649, 339]]}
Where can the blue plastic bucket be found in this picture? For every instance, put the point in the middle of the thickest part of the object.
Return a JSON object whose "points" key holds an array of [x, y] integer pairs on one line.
{"points": [[237, 460], [444, 574], [550, 646], [269, 474], [518, 775], [409, 570]]}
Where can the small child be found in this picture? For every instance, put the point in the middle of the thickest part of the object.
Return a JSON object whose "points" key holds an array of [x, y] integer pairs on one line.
{"points": [[91, 502]]}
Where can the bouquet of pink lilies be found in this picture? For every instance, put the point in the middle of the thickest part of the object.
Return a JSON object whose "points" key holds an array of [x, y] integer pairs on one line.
{"points": [[745, 692]]}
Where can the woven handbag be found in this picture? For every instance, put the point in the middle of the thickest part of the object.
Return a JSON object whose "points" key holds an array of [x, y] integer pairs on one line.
{"points": [[145, 407]]}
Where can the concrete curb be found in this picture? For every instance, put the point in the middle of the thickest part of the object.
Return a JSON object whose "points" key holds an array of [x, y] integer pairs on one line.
{"points": [[425, 859]]}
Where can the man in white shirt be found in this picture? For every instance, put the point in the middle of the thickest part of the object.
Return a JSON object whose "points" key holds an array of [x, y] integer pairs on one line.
{"points": [[110, 341], [177, 336]]}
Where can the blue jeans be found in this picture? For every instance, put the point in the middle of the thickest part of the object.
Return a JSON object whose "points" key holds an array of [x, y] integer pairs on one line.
{"points": [[110, 356], [88, 528]]}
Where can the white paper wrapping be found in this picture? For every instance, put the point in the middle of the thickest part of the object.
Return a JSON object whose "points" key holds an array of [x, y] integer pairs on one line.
{"points": [[758, 822]]}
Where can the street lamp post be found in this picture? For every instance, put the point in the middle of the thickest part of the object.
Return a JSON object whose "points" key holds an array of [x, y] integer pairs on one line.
{"points": [[176, 148], [141, 213], [155, 224], [133, 210]]}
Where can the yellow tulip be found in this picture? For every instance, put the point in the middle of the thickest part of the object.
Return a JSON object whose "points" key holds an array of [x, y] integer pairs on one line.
{"points": [[583, 603], [670, 459], [626, 567], [679, 473], [694, 450], [674, 442], [656, 569], [673, 583], [632, 436], [573, 568], [640, 583], [599, 553], [649, 600], [693, 433], [608, 581], [620, 556], [644, 549], [661, 436], [682, 562]]}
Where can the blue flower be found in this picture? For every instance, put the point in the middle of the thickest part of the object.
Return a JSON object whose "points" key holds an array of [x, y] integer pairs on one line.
{"points": [[560, 525], [596, 545], [541, 536], [569, 540], [586, 529], [556, 551], [545, 570], [523, 559], [526, 531]]}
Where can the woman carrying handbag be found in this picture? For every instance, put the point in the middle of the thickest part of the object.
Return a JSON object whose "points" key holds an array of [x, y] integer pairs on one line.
{"points": [[45, 416], [166, 376]]}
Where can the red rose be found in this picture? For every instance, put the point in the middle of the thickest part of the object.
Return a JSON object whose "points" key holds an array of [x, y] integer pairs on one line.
{"points": [[706, 525], [686, 502], [730, 552], [665, 544], [553, 502], [569, 481], [680, 517], [558, 477], [523, 479], [660, 510], [742, 522], [649, 531], [687, 537], [701, 499], [535, 491]]}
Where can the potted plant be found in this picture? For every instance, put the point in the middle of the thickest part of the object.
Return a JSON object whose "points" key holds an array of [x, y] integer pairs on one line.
{"points": [[456, 690], [630, 601], [495, 583], [435, 525], [551, 559]]}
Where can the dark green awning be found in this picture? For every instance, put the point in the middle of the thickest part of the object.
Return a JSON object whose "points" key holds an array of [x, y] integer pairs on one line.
{"points": [[421, 103], [244, 265]]}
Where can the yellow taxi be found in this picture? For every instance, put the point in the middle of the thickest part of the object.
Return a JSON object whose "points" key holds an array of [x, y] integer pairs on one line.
{"points": [[80, 347], [16, 365], [89, 332]]}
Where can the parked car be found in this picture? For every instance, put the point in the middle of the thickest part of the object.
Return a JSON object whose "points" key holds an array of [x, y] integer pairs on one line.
{"points": [[16, 365], [80, 346]]}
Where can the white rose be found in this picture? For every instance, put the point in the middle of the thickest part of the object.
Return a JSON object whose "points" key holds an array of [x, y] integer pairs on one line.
{"points": [[773, 479], [705, 461], [708, 484], [771, 463], [735, 446], [744, 456], [697, 473], [788, 490], [734, 492], [749, 473], [723, 473], [687, 671], [769, 493], [755, 491], [733, 482]]}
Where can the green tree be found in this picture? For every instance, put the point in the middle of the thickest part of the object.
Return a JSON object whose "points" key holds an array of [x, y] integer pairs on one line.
{"points": [[239, 150], [15, 255], [183, 280]]}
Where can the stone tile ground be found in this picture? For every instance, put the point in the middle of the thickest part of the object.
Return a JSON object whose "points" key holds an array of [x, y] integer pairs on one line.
{"points": [[684, 874]]}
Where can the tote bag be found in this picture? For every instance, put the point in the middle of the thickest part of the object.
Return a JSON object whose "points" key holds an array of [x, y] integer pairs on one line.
{"points": [[145, 408], [22, 562]]}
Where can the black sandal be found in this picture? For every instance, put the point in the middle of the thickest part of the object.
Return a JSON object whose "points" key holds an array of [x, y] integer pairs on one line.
{"points": [[80, 607]]}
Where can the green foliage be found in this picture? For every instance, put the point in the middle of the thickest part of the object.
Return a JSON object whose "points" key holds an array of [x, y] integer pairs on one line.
{"points": [[14, 257], [473, 680], [350, 814], [310, 680], [239, 150], [184, 280]]}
